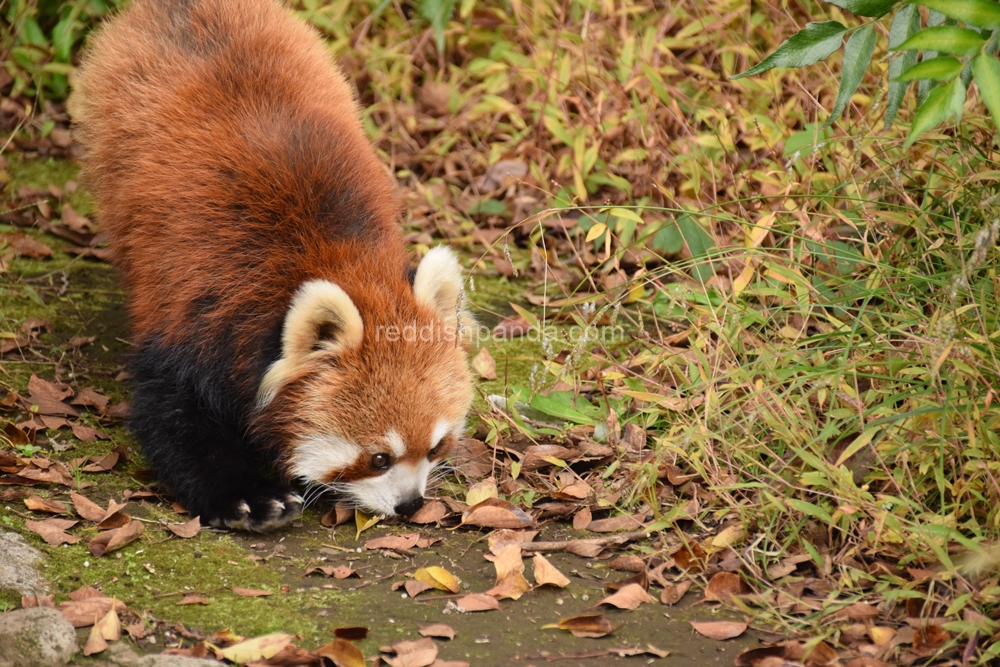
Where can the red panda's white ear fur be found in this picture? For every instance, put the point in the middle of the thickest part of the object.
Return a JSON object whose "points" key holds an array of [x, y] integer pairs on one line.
{"points": [[438, 284], [321, 318]]}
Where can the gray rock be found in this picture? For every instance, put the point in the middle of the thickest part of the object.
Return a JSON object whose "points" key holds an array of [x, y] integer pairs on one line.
{"points": [[36, 637], [174, 661], [17, 565], [120, 653]]}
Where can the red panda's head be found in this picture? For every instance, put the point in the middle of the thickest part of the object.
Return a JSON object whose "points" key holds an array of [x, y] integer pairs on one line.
{"points": [[370, 393]]}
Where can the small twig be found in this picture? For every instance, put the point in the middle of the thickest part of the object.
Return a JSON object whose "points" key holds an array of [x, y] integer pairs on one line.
{"points": [[210, 590]]}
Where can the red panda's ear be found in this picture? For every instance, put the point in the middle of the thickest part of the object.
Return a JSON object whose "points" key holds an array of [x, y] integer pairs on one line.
{"points": [[438, 282], [321, 317]]}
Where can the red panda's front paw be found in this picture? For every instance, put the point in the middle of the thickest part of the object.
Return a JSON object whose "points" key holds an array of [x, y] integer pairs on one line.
{"points": [[262, 513]]}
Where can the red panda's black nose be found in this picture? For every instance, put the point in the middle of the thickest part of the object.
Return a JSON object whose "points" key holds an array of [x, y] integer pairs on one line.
{"points": [[408, 507]]}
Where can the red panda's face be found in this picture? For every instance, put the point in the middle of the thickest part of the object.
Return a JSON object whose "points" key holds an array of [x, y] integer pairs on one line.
{"points": [[369, 404]]}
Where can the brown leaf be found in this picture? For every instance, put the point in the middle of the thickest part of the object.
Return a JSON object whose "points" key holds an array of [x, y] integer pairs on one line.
{"points": [[192, 599], [419, 653], [78, 223], [87, 508], [342, 653], [859, 611], [629, 651], [95, 642], [109, 626], [724, 586], [439, 630], [719, 630], [186, 530], [39, 504], [672, 594], [393, 542], [88, 434], [575, 491], [339, 572], [431, 512], [89, 397], [484, 365], [415, 588], [256, 649], [473, 458], [53, 531], [582, 519], [926, 640], [477, 602], [337, 515], [627, 563], [116, 520], [354, 633], [102, 463], [586, 625], [754, 656], [616, 523], [512, 327], [545, 573], [865, 661], [23, 245], [252, 592], [497, 513], [116, 538], [82, 613], [629, 597], [86, 593]]}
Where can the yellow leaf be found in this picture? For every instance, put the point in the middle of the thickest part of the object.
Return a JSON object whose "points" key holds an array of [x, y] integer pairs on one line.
{"points": [[438, 577], [880, 635], [364, 521], [627, 214], [481, 491], [727, 537], [596, 231], [258, 648]]}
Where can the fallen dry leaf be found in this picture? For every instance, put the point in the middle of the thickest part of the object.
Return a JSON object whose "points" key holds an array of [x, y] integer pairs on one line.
{"points": [[411, 653], [438, 577], [719, 629], [481, 491], [337, 515], [512, 327], [484, 365], [110, 626], [342, 653], [87, 508], [724, 586], [23, 245], [585, 625], [497, 513], [928, 639], [629, 651], [186, 530], [439, 630], [39, 504], [30, 601], [671, 595], [252, 592], [258, 648], [95, 642], [88, 397], [415, 588], [83, 613], [859, 611], [110, 540], [545, 573], [575, 491], [616, 523], [53, 531], [88, 434], [477, 602], [881, 635], [510, 581], [629, 597], [191, 599], [582, 519], [338, 572], [431, 512], [393, 542]]}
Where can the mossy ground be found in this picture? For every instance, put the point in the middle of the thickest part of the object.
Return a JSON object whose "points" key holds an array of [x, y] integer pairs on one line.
{"points": [[83, 298]]}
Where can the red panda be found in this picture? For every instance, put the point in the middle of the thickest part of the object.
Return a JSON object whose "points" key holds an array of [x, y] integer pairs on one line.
{"points": [[257, 234]]}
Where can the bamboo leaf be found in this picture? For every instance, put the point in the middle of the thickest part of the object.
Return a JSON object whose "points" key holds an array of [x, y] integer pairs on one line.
{"points": [[942, 103], [857, 57], [810, 45], [942, 68], [980, 13], [944, 39], [871, 8], [986, 71], [905, 23]]}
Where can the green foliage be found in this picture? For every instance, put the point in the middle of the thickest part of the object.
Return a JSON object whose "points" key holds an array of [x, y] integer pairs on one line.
{"points": [[42, 36], [974, 45]]}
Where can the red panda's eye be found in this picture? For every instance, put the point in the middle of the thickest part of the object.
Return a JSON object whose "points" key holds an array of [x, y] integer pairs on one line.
{"points": [[380, 461]]}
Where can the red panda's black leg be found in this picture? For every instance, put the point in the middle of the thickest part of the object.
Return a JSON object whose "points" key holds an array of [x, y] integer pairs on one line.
{"points": [[198, 452]]}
